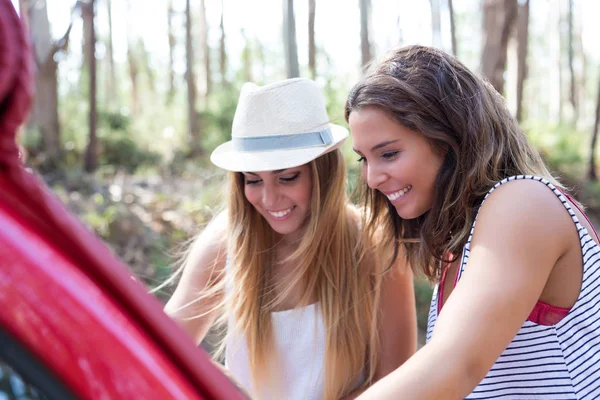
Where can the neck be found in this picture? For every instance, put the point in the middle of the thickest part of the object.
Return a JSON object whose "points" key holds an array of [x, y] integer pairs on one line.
{"points": [[291, 241]]}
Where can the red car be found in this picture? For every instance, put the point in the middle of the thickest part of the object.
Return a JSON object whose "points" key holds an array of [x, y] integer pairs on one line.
{"points": [[73, 322]]}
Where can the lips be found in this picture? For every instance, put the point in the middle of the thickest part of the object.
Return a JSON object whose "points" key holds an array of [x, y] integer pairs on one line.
{"points": [[280, 214], [394, 196]]}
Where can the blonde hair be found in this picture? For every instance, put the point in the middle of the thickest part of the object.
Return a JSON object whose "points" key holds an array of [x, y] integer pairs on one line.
{"points": [[332, 264]]}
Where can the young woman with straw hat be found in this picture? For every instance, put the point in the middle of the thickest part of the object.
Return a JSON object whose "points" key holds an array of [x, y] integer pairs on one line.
{"points": [[311, 312]]}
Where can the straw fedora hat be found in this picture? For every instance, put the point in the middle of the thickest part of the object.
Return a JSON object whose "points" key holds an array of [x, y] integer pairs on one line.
{"points": [[278, 126]]}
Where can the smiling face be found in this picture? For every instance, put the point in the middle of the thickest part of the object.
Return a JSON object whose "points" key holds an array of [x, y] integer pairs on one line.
{"points": [[397, 161], [281, 197]]}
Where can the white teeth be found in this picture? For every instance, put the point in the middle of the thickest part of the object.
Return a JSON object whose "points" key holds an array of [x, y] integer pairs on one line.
{"points": [[399, 193], [280, 214]]}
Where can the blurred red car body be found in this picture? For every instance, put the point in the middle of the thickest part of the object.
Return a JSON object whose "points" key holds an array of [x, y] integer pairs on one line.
{"points": [[74, 322]]}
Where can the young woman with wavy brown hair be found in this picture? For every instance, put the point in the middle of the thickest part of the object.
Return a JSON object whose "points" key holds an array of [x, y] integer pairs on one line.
{"points": [[309, 309], [452, 181]]}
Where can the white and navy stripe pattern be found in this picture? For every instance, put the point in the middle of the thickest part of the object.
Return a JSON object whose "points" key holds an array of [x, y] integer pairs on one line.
{"points": [[548, 362]]}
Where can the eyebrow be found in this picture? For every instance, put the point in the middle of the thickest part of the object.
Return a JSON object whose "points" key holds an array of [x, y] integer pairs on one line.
{"points": [[278, 171], [380, 145]]}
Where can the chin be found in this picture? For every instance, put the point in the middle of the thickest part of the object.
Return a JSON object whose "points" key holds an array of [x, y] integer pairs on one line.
{"points": [[284, 230], [409, 214]]}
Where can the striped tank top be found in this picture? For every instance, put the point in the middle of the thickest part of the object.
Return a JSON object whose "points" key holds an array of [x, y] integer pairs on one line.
{"points": [[560, 361]]}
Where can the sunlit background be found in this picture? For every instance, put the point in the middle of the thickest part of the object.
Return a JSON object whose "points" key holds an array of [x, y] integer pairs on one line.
{"points": [[128, 151]]}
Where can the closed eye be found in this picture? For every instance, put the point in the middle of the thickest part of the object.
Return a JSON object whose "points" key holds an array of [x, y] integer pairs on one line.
{"points": [[291, 178], [389, 155], [253, 182]]}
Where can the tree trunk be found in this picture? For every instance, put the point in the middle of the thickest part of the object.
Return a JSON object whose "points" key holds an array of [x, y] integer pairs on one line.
{"points": [[592, 172], [205, 49], [171, 36], [45, 107], [582, 82], [112, 78], [133, 64], [522, 43], [561, 47], [572, 87], [89, 32], [45, 110], [436, 23], [247, 58], [147, 64], [452, 28], [498, 20], [222, 51], [312, 51], [289, 39], [261, 59], [365, 44], [400, 32], [193, 128]]}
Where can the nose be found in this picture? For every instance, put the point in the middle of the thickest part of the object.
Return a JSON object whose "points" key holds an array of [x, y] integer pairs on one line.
{"points": [[374, 176], [270, 196]]}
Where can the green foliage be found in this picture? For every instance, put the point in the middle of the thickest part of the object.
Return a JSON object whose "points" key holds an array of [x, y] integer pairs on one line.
{"points": [[100, 219], [563, 147], [114, 121], [593, 195], [124, 152], [423, 294], [217, 118]]}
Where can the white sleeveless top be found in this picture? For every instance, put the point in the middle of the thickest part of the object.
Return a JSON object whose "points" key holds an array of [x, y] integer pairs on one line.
{"points": [[561, 361], [299, 342]]}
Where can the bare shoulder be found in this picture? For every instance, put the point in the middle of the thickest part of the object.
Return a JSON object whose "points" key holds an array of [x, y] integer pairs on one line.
{"points": [[529, 210], [209, 248], [528, 195], [354, 213]]}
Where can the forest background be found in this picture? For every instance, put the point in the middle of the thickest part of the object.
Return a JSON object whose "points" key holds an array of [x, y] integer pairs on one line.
{"points": [[133, 95]]}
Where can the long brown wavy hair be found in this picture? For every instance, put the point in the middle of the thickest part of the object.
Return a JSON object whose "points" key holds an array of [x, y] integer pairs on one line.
{"points": [[332, 264], [467, 120]]}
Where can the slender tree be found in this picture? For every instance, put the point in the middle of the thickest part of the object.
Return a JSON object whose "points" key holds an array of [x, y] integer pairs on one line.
{"points": [[572, 77], [312, 50], [436, 23], [171, 36], [222, 50], [400, 33], [89, 34], [247, 58], [132, 63], [498, 20], [205, 48], [582, 82], [146, 60], [193, 121], [592, 170], [289, 39], [365, 44], [45, 108], [561, 47], [111, 86], [522, 44], [452, 27]]}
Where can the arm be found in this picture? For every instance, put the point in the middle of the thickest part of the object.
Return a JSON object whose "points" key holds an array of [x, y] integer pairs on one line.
{"points": [[521, 232], [201, 272], [398, 332]]}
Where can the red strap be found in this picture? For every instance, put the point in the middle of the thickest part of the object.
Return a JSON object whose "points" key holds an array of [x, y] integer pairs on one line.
{"points": [[440, 298], [584, 216], [441, 288]]}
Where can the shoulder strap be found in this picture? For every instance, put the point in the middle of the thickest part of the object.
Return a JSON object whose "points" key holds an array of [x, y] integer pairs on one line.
{"points": [[561, 196]]}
